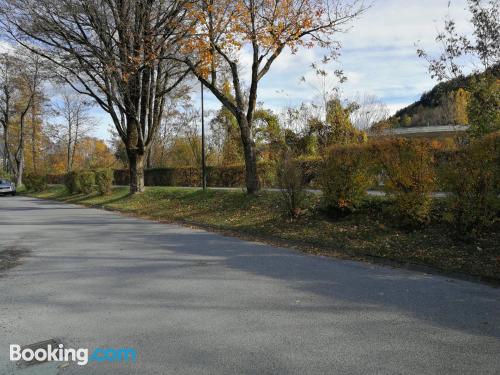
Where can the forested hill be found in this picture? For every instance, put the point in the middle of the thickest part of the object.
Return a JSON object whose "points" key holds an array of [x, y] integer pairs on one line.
{"points": [[445, 104]]}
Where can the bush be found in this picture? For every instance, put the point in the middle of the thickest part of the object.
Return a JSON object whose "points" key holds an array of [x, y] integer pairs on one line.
{"points": [[291, 184], [473, 179], [87, 181], [311, 167], [483, 113], [104, 181], [4, 174], [72, 182], [346, 176], [408, 166], [217, 176], [56, 179], [35, 182]]}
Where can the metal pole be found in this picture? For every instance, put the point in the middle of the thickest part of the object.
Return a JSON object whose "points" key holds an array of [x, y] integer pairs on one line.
{"points": [[203, 167]]}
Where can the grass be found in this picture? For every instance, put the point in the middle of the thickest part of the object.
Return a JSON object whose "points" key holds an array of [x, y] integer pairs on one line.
{"points": [[368, 234]]}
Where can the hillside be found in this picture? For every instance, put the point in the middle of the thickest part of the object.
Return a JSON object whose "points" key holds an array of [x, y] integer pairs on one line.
{"points": [[445, 104]]}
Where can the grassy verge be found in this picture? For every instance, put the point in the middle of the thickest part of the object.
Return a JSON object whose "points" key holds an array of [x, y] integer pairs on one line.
{"points": [[368, 234]]}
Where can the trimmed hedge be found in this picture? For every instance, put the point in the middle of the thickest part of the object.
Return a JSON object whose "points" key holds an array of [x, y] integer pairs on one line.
{"points": [[56, 179], [104, 180], [35, 182], [87, 181], [226, 176], [72, 182]]}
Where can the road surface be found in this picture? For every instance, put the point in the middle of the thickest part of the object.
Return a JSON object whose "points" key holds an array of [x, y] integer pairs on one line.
{"points": [[193, 302]]}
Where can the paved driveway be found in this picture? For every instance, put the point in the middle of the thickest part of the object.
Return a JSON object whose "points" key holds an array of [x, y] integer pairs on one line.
{"points": [[193, 302]]}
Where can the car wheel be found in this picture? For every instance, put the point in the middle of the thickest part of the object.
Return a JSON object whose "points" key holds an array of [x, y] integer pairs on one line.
{"points": [[13, 193]]}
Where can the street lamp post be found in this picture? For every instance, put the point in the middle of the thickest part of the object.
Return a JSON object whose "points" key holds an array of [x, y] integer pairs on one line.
{"points": [[203, 166]]}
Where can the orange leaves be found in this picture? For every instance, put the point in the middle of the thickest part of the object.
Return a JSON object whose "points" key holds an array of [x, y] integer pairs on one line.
{"points": [[230, 25]]}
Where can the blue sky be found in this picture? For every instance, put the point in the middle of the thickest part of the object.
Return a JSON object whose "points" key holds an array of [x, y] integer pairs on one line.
{"points": [[378, 57]]}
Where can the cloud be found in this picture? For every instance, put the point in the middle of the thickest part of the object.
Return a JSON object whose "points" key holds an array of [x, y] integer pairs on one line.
{"points": [[378, 56]]}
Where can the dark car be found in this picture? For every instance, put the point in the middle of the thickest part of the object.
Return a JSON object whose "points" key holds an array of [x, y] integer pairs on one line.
{"points": [[7, 187]]}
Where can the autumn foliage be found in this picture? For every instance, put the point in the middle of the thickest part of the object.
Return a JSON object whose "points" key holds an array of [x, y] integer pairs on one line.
{"points": [[473, 179], [409, 172], [345, 178]]}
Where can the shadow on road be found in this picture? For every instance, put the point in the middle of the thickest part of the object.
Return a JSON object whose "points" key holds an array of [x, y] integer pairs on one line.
{"points": [[158, 252]]}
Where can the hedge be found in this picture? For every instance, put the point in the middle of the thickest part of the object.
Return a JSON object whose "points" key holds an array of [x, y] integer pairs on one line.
{"points": [[473, 179], [104, 180], [347, 174], [72, 182], [35, 182], [410, 177], [234, 175], [217, 176]]}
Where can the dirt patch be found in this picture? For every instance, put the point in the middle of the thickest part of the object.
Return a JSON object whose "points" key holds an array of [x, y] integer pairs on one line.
{"points": [[11, 256]]}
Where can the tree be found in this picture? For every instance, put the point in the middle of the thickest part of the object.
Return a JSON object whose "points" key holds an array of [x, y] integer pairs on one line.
{"points": [[370, 110], [267, 134], [225, 137], [337, 128], [483, 51], [118, 52], [93, 153], [20, 79], [483, 111], [226, 28], [73, 110]]}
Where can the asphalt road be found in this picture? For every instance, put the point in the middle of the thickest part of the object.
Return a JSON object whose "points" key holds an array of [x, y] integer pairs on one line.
{"points": [[193, 302]]}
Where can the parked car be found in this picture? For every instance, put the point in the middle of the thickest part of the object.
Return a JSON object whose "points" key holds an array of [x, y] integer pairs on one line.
{"points": [[7, 187]]}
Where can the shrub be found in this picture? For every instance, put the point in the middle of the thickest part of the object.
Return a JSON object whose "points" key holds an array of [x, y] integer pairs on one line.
{"points": [[55, 179], [72, 182], [483, 113], [4, 174], [87, 181], [217, 176], [311, 167], [346, 176], [291, 184], [104, 181], [35, 182], [122, 176], [473, 179], [408, 165]]}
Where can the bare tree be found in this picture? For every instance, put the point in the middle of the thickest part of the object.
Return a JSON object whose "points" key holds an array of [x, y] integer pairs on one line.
{"points": [[369, 110], [73, 109], [118, 52]]}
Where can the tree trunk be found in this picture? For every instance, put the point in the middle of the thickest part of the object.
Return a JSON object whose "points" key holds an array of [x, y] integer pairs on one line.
{"points": [[33, 139], [136, 169], [20, 170], [251, 176], [149, 162]]}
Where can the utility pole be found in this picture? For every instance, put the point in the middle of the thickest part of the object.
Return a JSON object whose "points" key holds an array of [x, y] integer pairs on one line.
{"points": [[203, 166]]}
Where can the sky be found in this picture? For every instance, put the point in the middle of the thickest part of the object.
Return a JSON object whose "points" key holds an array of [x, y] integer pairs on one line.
{"points": [[378, 56]]}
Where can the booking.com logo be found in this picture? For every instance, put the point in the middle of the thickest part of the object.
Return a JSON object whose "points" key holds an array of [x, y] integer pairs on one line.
{"points": [[81, 356]]}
